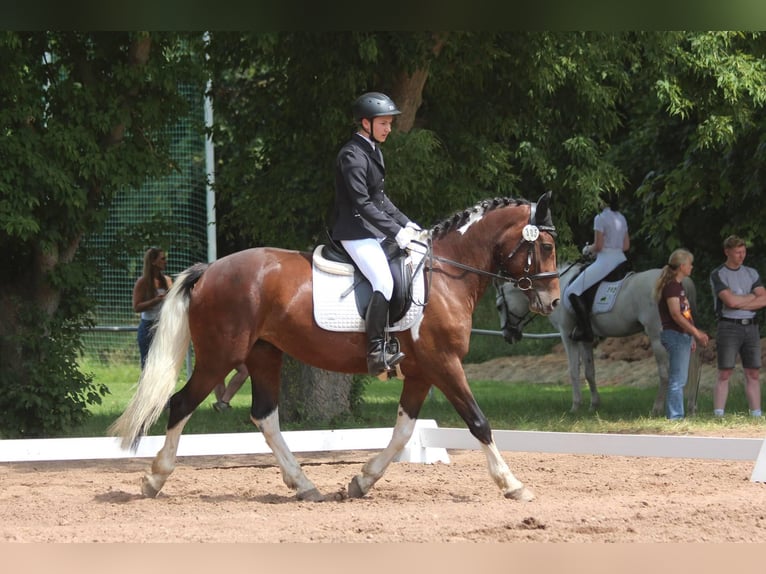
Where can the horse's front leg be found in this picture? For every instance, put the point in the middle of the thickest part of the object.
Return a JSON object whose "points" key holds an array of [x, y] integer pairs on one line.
{"points": [[455, 387], [414, 393], [164, 462], [292, 473], [510, 486], [377, 465]]}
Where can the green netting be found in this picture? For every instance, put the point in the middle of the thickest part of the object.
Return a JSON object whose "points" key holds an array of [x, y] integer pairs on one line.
{"points": [[169, 213]]}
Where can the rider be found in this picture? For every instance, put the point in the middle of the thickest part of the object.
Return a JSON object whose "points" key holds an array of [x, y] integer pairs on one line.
{"points": [[365, 216], [610, 242]]}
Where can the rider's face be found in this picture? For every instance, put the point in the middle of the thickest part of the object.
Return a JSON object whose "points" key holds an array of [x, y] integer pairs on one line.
{"points": [[381, 127]]}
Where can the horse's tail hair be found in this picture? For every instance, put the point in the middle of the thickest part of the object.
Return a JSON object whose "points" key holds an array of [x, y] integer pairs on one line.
{"points": [[163, 363]]}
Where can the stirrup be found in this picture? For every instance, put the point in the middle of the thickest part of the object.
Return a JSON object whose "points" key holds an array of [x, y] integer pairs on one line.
{"points": [[383, 356], [392, 354], [393, 360]]}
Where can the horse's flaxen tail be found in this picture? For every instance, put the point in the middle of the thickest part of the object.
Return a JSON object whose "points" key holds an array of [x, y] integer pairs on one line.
{"points": [[163, 363]]}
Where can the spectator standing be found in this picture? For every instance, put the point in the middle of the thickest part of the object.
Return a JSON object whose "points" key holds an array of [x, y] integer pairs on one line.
{"points": [[738, 293], [148, 293], [679, 334]]}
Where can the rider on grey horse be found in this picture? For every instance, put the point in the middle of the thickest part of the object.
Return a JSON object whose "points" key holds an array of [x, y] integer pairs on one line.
{"points": [[610, 242]]}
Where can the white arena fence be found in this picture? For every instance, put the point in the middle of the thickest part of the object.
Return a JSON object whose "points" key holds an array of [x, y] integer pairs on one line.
{"points": [[428, 445]]}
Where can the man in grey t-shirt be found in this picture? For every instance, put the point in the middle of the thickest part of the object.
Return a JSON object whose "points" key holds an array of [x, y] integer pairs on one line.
{"points": [[739, 293]]}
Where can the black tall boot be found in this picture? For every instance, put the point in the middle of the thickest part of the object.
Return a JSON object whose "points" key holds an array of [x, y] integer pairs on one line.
{"points": [[378, 357], [583, 330]]}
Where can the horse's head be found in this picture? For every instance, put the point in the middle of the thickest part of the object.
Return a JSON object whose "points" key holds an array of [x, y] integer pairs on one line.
{"points": [[513, 308], [527, 254]]}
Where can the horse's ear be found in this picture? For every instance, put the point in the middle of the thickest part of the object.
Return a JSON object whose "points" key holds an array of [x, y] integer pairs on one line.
{"points": [[542, 215]]}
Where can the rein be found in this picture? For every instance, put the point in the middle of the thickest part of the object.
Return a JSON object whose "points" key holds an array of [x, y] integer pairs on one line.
{"points": [[524, 283]]}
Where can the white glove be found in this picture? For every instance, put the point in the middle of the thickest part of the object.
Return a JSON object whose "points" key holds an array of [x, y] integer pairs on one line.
{"points": [[405, 235], [414, 226], [586, 252]]}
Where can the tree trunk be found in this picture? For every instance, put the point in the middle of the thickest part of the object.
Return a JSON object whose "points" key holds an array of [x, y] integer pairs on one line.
{"points": [[408, 91], [313, 395]]}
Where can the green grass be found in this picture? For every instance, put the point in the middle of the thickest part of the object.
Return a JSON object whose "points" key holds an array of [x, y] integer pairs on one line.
{"points": [[513, 406]]}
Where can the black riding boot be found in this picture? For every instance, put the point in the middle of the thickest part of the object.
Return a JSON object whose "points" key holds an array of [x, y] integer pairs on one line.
{"points": [[378, 357], [583, 330]]}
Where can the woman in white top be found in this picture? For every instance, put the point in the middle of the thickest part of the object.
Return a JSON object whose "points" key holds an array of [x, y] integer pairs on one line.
{"points": [[148, 293], [610, 242]]}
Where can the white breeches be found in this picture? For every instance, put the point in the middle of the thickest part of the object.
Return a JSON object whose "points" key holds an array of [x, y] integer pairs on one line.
{"points": [[605, 262], [372, 262]]}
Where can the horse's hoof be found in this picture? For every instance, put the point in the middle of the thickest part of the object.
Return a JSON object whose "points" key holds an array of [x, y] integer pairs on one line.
{"points": [[522, 494], [312, 495], [354, 490], [147, 489], [339, 496]]}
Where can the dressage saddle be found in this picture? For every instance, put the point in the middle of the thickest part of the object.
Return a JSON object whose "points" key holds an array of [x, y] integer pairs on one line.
{"points": [[401, 299]]}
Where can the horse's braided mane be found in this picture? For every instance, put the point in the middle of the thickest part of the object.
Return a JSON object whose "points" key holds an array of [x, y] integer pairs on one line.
{"points": [[461, 217]]}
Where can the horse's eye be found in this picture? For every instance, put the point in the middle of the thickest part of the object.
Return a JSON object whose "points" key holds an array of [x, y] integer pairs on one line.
{"points": [[548, 247]]}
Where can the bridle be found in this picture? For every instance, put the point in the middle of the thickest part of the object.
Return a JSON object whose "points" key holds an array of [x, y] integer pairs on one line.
{"points": [[529, 237], [522, 320]]}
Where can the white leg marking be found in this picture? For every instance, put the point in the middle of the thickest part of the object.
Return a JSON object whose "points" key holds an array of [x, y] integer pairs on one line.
{"points": [[165, 461], [292, 474], [502, 475], [377, 465]]}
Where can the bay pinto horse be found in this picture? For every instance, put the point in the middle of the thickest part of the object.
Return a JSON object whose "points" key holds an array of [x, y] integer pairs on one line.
{"points": [[252, 306], [635, 310]]}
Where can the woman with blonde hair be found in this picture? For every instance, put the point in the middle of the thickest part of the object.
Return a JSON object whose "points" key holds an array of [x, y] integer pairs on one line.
{"points": [[679, 335], [148, 293]]}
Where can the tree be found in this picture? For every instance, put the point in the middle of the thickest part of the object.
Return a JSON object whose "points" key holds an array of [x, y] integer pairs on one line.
{"points": [[82, 116]]}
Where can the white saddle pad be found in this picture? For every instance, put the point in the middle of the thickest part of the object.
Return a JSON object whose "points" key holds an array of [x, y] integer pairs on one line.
{"points": [[335, 312], [606, 295]]}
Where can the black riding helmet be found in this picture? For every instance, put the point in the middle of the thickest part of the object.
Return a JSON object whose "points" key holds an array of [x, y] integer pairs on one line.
{"points": [[372, 105]]}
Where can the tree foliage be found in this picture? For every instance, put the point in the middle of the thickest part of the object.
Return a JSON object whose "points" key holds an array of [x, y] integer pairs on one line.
{"points": [[81, 116]]}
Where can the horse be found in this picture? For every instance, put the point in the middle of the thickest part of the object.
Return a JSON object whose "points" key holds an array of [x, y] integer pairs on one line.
{"points": [[634, 310], [254, 305]]}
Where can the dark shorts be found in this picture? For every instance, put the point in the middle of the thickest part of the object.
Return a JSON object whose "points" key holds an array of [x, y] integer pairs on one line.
{"points": [[732, 339]]}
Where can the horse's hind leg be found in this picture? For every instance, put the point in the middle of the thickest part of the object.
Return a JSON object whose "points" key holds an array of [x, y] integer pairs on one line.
{"points": [[164, 462], [264, 364], [573, 351], [182, 404], [589, 367]]}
